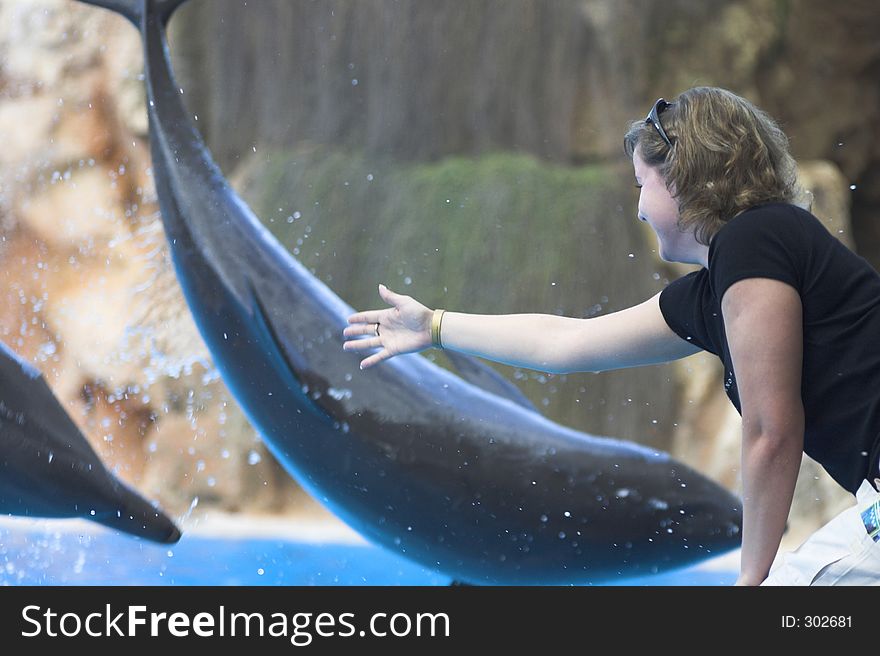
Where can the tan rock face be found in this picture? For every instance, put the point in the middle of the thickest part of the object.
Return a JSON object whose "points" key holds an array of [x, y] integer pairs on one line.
{"points": [[33, 118], [75, 208], [89, 293], [831, 197]]}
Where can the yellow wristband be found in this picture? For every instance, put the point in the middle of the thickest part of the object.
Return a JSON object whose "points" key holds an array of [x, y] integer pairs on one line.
{"points": [[436, 320]]}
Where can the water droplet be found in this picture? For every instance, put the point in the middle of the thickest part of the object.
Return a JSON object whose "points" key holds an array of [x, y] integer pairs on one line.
{"points": [[339, 394]]}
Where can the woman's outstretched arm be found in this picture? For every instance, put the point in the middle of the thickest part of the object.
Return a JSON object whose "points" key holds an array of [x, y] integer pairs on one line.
{"points": [[635, 336]]}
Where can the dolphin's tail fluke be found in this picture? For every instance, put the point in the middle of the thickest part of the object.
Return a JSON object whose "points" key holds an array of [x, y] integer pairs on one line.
{"points": [[134, 10]]}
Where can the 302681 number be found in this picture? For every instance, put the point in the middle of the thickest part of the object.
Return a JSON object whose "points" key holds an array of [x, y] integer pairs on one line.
{"points": [[817, 621]]}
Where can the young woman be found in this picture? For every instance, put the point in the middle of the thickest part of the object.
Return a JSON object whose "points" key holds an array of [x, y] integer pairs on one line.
{"points": [[793, 315]]}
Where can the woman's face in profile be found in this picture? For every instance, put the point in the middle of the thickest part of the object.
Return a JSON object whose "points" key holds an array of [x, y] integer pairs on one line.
{"points": [[659, 210]]}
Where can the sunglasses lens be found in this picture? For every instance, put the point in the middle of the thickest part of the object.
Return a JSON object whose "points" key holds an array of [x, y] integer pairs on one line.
{"points": [[654, 119]]}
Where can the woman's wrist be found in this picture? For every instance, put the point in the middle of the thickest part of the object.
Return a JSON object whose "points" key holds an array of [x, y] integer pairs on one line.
{"points": [[436, 326]]}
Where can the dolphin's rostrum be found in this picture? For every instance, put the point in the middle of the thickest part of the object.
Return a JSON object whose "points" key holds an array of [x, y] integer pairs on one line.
{"points": [[48, 468], [447, 473]]}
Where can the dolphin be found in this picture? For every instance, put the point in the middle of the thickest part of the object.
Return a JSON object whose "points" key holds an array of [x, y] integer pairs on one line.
{"points": [[459, 475], [48, 469]]}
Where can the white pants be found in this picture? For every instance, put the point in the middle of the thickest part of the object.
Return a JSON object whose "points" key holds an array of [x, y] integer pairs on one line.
{"points": [[839, 553]]}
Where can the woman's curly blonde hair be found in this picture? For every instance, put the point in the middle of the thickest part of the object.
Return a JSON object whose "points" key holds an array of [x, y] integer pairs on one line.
{"points": [[726, 156]]}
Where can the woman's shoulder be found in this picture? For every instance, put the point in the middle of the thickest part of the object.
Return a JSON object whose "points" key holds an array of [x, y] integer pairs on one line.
{"points": [[773, 240], [779, 221], [777, 214]]}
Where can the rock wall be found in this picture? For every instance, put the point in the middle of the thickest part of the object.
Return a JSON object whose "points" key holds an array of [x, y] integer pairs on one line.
{"points": [[556, 79], [89, 294], [519, 101]]}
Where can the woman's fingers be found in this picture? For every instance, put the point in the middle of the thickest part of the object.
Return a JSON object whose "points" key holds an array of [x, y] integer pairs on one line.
{"points": [[376, 358], [360, 329], [364, 323], [370, 316], [388, 296], [375, 316], [362, 344]]}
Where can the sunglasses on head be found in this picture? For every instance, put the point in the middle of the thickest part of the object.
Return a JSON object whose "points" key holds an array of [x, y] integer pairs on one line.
{"points": [[653, 118]]}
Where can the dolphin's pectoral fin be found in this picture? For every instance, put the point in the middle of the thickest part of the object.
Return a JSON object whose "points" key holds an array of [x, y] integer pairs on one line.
{"points": [[485, 377], [282, 358]]}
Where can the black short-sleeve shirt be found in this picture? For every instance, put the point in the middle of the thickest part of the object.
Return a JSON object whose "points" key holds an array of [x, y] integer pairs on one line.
{"points": [[840, 295]]}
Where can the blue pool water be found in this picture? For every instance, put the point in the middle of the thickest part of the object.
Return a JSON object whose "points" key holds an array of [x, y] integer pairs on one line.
{"points": [[76, 553]]}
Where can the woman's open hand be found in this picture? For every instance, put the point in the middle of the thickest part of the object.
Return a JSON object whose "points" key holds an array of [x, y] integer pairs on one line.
{"points": [[403, 328]]}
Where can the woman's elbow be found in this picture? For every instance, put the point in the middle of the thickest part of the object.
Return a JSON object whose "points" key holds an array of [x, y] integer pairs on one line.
{"points": [[780, 431]]}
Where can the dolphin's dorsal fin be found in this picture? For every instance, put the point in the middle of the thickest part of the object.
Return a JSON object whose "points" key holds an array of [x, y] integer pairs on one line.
{"points": [[485, 377]]}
